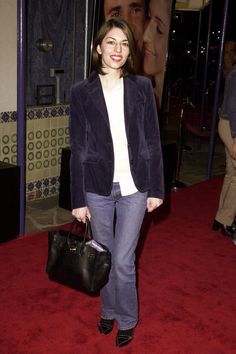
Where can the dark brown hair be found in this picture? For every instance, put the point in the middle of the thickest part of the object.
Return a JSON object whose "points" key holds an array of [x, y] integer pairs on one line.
{"points": [[128, 67]]}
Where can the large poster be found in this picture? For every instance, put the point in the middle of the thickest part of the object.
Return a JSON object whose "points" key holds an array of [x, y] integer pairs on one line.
{"points": [[150, 23]]}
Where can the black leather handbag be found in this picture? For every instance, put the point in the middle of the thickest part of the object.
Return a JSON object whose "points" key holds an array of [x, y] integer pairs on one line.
{"points": [[78, 261]]}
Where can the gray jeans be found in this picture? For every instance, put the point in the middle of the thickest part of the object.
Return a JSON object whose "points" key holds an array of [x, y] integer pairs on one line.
{"points": [[119, 296]]}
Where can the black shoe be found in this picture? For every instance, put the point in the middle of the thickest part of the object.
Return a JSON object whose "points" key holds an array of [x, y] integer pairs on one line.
{"points": [[234, 225], [105, 326], [233, 238], [124, 337], [225, 229]]}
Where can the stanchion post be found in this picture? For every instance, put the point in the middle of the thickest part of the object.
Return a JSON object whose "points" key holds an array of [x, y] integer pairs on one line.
{"points": [[176, 183]]}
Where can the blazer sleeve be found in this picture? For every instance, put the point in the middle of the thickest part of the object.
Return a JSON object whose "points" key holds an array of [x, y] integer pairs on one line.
{"points": [[77, 128], [152, 134]]}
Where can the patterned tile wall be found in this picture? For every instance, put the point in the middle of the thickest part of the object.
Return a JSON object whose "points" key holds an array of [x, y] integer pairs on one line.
{"points": [[47, 133]]}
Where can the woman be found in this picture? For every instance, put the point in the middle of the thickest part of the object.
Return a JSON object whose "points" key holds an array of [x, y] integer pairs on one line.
{"points": [[116, 165], [155, 42], [224, 220]]}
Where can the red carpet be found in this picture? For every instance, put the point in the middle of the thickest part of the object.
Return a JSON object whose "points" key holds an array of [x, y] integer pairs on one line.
{"points": [[186, 285]]}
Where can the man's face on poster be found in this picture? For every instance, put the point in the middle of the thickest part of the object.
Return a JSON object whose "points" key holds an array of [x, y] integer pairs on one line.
{"points": [[132, 11]]}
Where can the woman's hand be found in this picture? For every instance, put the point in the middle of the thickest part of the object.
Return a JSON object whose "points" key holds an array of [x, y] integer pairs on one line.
{"points": [[233, 152], [81, 214], [153, 203]]}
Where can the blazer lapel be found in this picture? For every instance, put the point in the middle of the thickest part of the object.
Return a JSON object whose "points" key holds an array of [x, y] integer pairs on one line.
{"points": [[132, 99], [95, 93]]}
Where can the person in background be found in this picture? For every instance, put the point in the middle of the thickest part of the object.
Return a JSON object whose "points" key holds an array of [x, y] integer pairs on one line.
{"points": [[155, 43], [229, 56], [134, 12], [224, 220], [116, 166]]}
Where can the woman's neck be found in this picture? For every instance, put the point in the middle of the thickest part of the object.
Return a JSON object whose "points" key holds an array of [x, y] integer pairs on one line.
{"points": [[110, 80]]}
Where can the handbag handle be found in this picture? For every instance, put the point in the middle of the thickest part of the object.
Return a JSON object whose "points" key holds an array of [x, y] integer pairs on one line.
{"points": [[88, 230]]}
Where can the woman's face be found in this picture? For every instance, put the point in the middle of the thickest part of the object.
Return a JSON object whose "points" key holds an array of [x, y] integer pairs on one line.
{"points": [[114, 50], [156, 37]]}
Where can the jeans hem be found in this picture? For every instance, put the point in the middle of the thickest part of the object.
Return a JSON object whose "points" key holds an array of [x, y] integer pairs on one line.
{"points": [[127, 328]]}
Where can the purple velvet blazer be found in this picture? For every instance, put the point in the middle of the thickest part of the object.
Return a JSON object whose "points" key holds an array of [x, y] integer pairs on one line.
{"points": [[92, 155]]}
